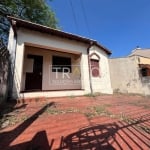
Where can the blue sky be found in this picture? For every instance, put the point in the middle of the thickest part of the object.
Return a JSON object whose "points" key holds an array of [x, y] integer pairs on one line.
{"points": [[119, 25]]}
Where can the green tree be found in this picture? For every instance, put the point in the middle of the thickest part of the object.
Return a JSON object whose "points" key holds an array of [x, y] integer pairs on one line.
{"points": [[36, 11]]}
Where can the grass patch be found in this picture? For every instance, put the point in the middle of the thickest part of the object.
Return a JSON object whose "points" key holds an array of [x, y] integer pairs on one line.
{"points": [[9, 115], [97, 111], [135, 122], [89, 95], [140, 103], [145, 129], [138, 125], [12, 120], [53, 111], [95, 94], [56, 111], [71, 96]]}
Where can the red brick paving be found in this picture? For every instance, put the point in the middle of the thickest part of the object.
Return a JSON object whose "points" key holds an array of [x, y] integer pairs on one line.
{"points": [[74, 131]]}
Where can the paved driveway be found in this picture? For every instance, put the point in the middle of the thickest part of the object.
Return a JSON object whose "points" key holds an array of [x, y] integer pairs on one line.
{"points": [[78, 123]]}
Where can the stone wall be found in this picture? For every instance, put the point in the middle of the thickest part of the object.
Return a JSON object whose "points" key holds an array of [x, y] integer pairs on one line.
{"points": [[4, 66]]}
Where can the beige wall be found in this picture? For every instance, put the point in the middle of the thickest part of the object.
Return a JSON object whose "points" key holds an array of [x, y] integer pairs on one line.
{"points": [[143, 60], [125, 76]]}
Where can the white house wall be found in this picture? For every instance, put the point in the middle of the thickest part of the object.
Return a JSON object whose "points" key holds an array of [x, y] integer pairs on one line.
{"points": [[101, 84], [18, 71], [11, 41], [11, 47], [33, 37]]}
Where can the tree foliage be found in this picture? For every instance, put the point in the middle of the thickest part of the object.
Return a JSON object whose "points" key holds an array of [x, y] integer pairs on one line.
{"points": [[36, 11]]}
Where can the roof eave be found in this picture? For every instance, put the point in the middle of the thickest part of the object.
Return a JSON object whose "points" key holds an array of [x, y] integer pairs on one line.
{"points": [[45, 29]]}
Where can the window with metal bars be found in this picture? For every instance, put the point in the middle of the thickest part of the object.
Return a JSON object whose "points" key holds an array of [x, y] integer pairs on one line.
{"points": [[95, 69]]}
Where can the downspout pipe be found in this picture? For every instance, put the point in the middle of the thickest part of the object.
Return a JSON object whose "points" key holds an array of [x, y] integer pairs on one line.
{"points": [[12, 61], [89, 65]]}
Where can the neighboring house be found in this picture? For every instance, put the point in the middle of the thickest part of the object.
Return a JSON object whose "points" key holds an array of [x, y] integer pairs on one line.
{"points": [[141, 52], [131, 74], [49, 63]]}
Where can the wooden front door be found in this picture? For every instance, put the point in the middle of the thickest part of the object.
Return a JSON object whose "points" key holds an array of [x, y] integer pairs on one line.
{"points": [[34, 80]]}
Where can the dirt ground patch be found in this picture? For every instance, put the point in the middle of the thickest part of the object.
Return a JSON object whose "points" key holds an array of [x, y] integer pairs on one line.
{"points": [[77, 123]]}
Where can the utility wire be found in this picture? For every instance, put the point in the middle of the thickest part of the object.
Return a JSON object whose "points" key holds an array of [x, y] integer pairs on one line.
{"points": [[85, 17], [74, 16]]}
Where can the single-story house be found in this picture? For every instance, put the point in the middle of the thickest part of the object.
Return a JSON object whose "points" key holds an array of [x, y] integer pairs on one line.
{"points": [[131, 74], [46, 62]]}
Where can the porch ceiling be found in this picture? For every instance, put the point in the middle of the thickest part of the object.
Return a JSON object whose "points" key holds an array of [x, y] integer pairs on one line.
{"points": [[48, 48]]}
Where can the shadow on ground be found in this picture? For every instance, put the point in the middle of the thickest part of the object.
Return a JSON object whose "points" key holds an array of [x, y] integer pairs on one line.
{"points": [[8, 111], [39, 141], [128, 134], [103, 137], [91, 138]]}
